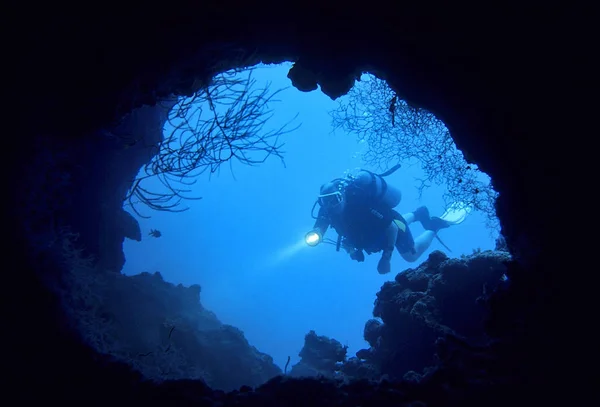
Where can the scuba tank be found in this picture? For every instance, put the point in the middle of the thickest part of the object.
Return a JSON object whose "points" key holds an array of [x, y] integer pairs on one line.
{"points": [[380, 190], [383, 193]]}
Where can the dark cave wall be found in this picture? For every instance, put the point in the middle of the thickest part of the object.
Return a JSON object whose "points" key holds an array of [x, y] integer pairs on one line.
{"points": [[80, 186], [73, 72], [467, 71]]}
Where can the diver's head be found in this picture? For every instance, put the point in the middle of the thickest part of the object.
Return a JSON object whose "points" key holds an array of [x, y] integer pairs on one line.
{"points": [[331, 196]]}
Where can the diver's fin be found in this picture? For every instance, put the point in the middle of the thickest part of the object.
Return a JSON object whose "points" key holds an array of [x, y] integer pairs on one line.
{"points": [[456, 213]]}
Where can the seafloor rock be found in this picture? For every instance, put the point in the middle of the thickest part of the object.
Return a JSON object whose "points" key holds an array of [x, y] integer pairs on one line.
{"points": [[159, 328], [441, 297], [428, 316], [320, 356]]}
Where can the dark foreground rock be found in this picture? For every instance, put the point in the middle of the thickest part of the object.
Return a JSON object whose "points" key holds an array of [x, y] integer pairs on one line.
{"points": [[426, 315], [160, 329]]}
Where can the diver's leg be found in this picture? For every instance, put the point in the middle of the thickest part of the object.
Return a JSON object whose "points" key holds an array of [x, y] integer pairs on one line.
{"points": [[418, 215], [422, 243], [421, 214], [391, 234], [409, 217], [431, 223]]}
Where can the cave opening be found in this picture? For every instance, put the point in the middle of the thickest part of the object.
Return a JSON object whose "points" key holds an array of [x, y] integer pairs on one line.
{"points": [[490, 87], [242, 243], [233, 224]]}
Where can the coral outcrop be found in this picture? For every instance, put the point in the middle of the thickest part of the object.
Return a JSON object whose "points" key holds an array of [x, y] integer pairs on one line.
{"points": [[320, 356], [442, 297], [160, 329], [425, 311]]}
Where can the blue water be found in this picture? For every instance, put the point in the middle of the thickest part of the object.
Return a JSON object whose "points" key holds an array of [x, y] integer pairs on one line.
{"points": [[243, 242]]}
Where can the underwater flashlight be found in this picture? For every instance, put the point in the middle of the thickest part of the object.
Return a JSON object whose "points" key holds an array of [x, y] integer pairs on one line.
{"points": [[312, 238]]}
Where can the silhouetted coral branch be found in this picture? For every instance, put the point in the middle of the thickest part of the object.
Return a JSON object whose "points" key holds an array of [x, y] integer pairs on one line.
{"points": [[286, 365], [394, 131], [223, 121]]}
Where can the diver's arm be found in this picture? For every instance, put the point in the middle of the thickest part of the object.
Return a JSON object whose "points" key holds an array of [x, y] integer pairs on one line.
{"points": [[322, 222], [355, 254]]}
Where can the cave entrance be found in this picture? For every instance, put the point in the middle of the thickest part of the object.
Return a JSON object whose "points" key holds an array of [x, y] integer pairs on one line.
{"points": [[258, 176]]}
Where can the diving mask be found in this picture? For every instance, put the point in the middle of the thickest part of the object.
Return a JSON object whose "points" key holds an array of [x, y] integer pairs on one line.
{"points": [[330, 200]]}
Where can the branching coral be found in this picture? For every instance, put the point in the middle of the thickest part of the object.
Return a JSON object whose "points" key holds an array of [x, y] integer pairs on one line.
{"points": [[220, 123], [395, 131]]}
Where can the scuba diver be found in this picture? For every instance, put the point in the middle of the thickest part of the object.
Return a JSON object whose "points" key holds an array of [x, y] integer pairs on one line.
{"points": [[361, 210]]}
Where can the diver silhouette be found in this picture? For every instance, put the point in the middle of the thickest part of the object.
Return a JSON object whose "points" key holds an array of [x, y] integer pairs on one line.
{"points": [[361, 210]]}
